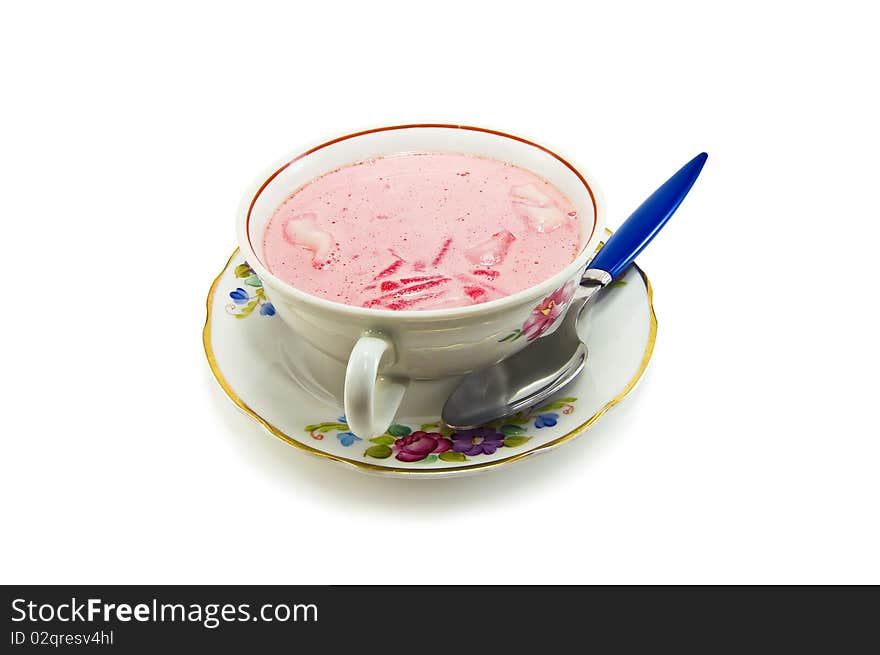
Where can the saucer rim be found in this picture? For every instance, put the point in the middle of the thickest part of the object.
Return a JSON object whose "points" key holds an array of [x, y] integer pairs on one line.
{"points": [[443, 472]]}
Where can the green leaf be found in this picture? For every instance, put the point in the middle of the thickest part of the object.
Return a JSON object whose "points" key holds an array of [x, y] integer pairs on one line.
{"points": [[513, 442], [513, 336], [253, 281], [247, 309], [243, 270], [570, 399], [452, 456], [326, 427], [260, 293], [617, 283], [554, 405], [509, 429], [383, 440], [379, 452], [397, 430], [436, 427], [430, 459], [518, 418]]}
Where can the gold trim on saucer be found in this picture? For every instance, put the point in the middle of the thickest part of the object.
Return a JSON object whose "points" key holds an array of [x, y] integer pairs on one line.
{"points": [[235, 398]]}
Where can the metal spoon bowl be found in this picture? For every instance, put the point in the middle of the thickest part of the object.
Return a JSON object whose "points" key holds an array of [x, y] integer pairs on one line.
{"points": [[545, 366]]}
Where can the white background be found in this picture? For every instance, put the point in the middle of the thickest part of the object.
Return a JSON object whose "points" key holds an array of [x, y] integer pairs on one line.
{"points": [[748, 454]]}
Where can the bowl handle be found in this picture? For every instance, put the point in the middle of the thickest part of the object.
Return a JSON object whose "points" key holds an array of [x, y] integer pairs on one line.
{"points": [[371, 399]]}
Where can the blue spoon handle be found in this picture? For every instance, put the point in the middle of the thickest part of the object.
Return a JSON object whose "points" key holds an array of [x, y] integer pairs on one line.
{"points": [[645, 222]]}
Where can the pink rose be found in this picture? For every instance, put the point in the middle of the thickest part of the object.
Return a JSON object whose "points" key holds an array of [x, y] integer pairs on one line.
{"points": [[418, 445], [545, 314]]}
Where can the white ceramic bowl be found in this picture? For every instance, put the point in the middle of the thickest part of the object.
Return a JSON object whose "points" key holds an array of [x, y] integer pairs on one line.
{"points": [[385, 348]]}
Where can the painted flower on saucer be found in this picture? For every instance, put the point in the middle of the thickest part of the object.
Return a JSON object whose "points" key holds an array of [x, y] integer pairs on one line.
{"points": [[417, 445], [433, 441], [244, 357]]}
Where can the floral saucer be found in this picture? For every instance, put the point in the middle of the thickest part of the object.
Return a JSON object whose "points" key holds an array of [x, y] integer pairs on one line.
{"points": [[279, 384]]}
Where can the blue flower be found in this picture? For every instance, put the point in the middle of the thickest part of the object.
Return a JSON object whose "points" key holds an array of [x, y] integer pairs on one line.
{"points": [[547, 420], [341, 419], [240, 296], [347, 438], [266, 309]]}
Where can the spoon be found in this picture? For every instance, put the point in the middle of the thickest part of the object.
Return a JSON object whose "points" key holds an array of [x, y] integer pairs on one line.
{"points": [[542, 368]]}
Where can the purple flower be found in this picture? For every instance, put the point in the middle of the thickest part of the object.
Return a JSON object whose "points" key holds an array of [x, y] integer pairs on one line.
{"points": [[477, 441]]}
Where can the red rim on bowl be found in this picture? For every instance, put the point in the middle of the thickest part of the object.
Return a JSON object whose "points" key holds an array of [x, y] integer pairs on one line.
{"points": [[426, 314]]}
